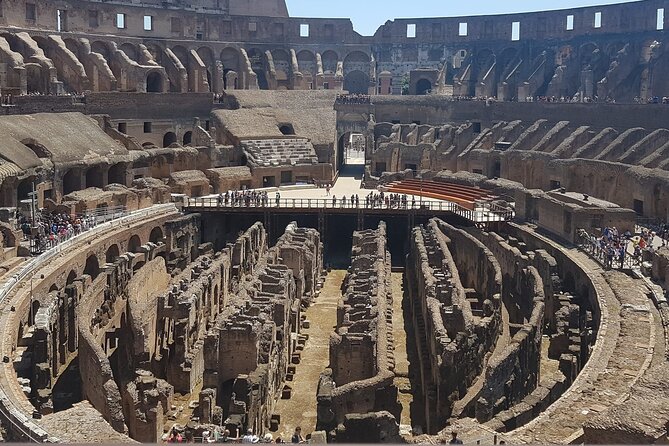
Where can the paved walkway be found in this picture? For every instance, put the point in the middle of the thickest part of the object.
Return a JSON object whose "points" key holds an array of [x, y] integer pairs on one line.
{"points": [[300, 410]]}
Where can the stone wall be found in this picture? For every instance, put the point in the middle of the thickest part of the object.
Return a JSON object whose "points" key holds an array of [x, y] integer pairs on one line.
{"points": [[455, 291], [512, 375], [361, 373]]}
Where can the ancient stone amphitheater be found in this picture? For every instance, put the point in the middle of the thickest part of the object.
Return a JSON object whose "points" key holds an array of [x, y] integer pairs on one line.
{"points": [[194, 239]]}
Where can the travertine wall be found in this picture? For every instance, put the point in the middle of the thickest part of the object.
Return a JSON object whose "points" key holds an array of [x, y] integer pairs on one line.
{"points": [[455, 290], [361, 373]]}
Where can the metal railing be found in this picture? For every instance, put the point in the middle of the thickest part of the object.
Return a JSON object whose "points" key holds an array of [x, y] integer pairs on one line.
{"points": [[624, 260], [89, 221], [485, 213], [8, 411]]}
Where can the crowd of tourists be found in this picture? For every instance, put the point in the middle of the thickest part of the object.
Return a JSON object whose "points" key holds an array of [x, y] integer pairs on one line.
{"points": [[614, 249], [224, 435], [246, 198], [354, 98], [50, 229]]}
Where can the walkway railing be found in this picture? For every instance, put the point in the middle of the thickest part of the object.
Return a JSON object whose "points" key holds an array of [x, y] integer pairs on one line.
{"points": [[9, 413], [623, 261], [487, 213]]}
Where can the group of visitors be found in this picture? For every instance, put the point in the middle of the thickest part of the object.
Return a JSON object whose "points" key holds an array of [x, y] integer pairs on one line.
{"points": [[354, 98], [390, 201], [223, 435], [652, 100], [613, 249], [51, 229], [245, 198]]}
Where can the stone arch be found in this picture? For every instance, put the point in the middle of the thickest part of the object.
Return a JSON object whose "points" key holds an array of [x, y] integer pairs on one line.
{"points": [[282, 64], [155, 82], [71, 181], [73, 45], [423, 87], [130, 50], [92, 267], [306, 61], [330, 59], [71, 277], [117, 174], [156, 52], [357, 56], [182, 55], [156, 235], [188, 138], [356, 82], [134, 243], [101, 48], [112, 253], [230, 58], [169, 138], [53, 288], [95, 177], [258, 65], [484, 58], [24, 188], [36, 78], [37, 148]]}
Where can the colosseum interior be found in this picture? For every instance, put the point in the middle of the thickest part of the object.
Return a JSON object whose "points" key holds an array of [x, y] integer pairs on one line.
{"points": [[219, 219]]}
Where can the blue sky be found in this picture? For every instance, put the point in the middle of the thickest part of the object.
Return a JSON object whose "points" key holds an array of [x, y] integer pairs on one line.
{"points": [[368, 15]]}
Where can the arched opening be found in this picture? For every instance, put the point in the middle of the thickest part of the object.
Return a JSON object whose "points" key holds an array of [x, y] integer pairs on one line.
{"points": [[94, 177], [356, 82], [156, 235], [154, 83], [257, 59], [287, 129], [351, 150], [34, 308], [24, 188], [169, 139], [112, 254], [134, 243], [130, 50], [71, 181], [35, 80], [423, 87], [38, 149], [53, 288], [117, 174], [71, 277], [188, 138], [92, 267], [330, 61]]}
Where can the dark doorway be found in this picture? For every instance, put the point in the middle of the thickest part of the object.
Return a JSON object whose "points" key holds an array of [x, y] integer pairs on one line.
{"points": [[154, 83], [423, 87], [638, 207], [169, 139], [71, 181], [92, 267], [188, 138], [94, 177], [356, 82]]}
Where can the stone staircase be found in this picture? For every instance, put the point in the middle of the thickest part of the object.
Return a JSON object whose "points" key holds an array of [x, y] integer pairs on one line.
{"points": [[279, 152]]}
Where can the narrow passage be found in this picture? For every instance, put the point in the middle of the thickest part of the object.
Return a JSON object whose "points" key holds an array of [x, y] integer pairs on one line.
{"points": [[300, 409]]}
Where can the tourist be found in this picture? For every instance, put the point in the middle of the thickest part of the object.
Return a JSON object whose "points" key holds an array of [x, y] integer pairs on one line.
{"points": [[327, 190], [250, 437], [454, 438], [267, 438], [297, 436], [278, 198]]}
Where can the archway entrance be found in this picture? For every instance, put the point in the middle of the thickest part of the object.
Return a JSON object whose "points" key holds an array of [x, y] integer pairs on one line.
{"points": [[188, 138], [94, 177], [169, 139], [92, 266], [356, 82], [154, 83], [71, 181], [423, 87], [351, 150]]}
